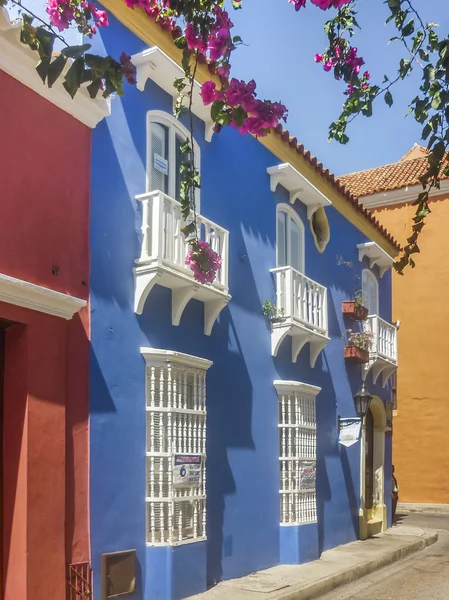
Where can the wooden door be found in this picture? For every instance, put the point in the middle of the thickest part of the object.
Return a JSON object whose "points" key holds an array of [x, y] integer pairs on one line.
{"points": [[369, 459]]}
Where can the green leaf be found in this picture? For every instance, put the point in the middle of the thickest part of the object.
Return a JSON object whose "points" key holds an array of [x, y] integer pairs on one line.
{"points": [[216, 109], [409, 28], [75, 51], [388, 98], [45, 40], [180, 42], [237, 40], [94, 88], [42, 68], [74, 75], [55, 69]]}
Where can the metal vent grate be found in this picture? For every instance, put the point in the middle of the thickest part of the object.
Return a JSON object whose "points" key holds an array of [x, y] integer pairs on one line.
{"points": [[79, 581]]}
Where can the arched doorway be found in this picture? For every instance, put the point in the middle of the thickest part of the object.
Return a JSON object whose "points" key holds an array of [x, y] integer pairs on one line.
{"points": [[373, 511]]}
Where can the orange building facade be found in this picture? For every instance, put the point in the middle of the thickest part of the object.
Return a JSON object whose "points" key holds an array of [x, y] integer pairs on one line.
{"points": [[420, 303]]}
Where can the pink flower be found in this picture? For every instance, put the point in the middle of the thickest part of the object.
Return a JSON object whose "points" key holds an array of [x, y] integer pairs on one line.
{"points": [[194, 40], [298, 3], [60, 13], [328, 64], [209, 93], [128, 69], [203, 261], [100, 16], [318, 58], [367, 75]]}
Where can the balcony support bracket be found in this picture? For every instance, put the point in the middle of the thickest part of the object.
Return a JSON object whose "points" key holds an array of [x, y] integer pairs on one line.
{"points": [[300, 337], [145, 280], [179, 299], [278, 335], [379, 367], [316, 345], [212, 309]]}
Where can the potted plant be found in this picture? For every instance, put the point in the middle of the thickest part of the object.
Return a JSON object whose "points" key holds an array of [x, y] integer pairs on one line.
{"points": [[355, 309], [358, 347], [272, 312]]}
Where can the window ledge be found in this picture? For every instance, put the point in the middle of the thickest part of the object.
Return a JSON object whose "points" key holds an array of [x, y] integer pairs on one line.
{"points": [[284, 387], [299, 187], [376, 256], [154, 64]]}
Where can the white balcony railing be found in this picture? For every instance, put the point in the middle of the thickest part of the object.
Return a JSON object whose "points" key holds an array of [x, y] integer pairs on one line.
{"points": [[163, 254], [301, 298], [163, 240], [384, 339], [303, 304]]}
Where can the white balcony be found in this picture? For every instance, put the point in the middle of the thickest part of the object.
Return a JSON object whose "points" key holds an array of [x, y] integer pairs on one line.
{"points": [[303, 304], [384, 350], [163, 255]]}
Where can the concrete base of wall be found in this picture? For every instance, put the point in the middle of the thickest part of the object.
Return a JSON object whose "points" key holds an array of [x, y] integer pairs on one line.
{"points": [[298, 543]]}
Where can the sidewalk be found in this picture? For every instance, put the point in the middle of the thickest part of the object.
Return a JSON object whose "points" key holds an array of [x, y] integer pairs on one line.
{"points": [[335, 568], [408, 507]]}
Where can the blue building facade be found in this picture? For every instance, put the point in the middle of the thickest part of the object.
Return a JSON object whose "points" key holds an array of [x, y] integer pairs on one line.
{"points": [[144, 367]]}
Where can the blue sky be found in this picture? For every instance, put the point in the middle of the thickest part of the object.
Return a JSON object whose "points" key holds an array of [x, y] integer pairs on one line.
{"points": [[281, 44], [279, 56]]}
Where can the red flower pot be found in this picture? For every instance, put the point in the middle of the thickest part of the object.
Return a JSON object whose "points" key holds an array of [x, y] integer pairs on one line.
{"points": [[356, 355], [354, 311]]}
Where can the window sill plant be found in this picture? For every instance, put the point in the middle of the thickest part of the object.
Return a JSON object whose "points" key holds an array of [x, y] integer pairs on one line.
{"points": [[355, 309], [272, 312], [358, 347]]}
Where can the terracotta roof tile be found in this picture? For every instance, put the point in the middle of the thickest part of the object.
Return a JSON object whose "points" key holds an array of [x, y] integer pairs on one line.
{"points": [[403, 173]]}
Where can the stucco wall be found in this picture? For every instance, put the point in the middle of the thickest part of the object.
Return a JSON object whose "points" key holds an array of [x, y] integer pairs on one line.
{"points": [[420, 450], [242, 442], [44, 215]]}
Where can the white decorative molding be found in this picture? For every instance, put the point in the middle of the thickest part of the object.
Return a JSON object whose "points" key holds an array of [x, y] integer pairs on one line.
{"points": [[377, 256], [284, 387], [154, 64], [299, 187], [19, 61], [303, 305], [29, 295], [162, 260], [384, 350], [401, 195], [154, 356]]}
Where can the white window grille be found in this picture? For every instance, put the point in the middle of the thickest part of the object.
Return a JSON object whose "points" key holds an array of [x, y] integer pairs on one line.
{"points": [[176, 437], [297, 452]]}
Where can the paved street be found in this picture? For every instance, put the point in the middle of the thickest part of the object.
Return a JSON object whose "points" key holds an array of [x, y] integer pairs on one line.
{"points": [[423, 576]]}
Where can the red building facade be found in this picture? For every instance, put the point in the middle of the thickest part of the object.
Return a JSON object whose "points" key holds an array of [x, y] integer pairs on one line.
{"points": [[44, 325]]}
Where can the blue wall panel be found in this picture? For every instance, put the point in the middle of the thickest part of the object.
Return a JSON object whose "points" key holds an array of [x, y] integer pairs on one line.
{"points": [[242, 439]]}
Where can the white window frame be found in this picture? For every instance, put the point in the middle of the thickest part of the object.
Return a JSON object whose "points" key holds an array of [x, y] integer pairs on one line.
{"points": [[175, 424], [367, 274], [297, 449], [290, 212], [174, 127]]}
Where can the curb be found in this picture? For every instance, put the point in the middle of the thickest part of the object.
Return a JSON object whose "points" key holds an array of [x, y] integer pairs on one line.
{"points": [[332, 582]]}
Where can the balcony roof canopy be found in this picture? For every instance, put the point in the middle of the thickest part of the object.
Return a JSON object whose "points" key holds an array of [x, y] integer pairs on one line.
{"points": [[376, 256], [299, 187], [154, 64]]}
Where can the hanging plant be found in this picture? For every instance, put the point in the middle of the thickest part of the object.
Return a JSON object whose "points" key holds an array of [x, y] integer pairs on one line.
{"points": [[272, 312], [356, 309], [203, 261]]}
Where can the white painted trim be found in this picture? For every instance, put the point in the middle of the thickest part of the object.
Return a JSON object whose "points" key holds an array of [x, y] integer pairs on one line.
{"points": [[19, 61], [174, 126], [401, 196], [154, 64], [377, 256], [154, 356], [299, 187], [29, 295], [288, 210], [283, 387], [370, 275]]}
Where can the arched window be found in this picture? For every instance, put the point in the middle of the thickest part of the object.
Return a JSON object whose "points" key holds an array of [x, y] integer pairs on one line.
{"points": [[290, 239], [370, 292], [165, 136]]}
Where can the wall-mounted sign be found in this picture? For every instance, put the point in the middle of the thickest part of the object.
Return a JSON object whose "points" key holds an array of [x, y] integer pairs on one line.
{"points": [[307, 475], [349, 431], [187, 470], [160, 164]]}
